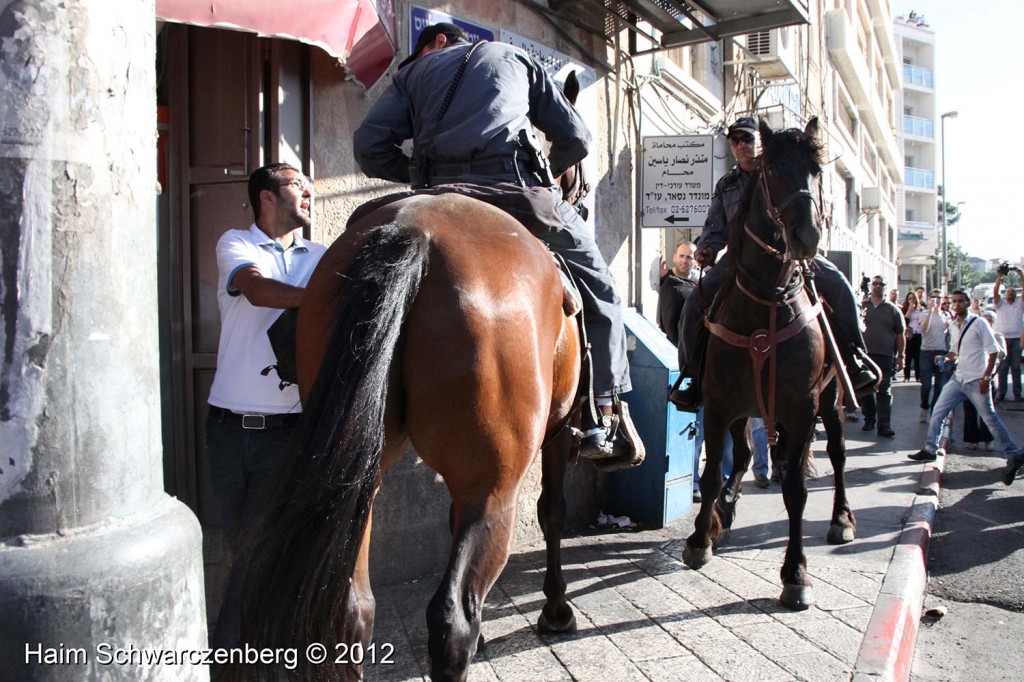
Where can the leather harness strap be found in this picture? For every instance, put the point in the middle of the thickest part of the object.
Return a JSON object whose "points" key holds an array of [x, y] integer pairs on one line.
{"points": [[761, 345]]}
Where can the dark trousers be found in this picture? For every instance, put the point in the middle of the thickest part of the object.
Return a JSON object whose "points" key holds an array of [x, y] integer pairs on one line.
{"points": [[931, 374], [1009, 368], [877, 406], [975, 430], [241, 462], [602, 307], [913, 358]]}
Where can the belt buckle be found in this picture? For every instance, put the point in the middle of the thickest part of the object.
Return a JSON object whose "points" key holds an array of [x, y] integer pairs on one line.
{"points": [[255, 422]]}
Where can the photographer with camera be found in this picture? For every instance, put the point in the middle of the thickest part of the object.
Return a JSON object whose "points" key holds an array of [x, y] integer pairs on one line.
{"points": [[1009, 323]]}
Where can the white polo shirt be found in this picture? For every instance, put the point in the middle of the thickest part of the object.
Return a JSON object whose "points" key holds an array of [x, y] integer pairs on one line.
{"points": [[978, 343], [244, 349]]}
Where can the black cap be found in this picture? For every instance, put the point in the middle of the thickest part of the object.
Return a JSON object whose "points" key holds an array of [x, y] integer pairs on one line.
{"points": [[429, 33], [745, 124]]}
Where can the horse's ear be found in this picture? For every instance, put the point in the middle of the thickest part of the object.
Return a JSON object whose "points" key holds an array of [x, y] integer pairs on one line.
{"points": [[812, 128], [766, 131], [571, 89]]}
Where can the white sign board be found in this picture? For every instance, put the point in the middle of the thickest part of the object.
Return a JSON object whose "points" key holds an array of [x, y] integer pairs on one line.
{"points": [[676, 180]]}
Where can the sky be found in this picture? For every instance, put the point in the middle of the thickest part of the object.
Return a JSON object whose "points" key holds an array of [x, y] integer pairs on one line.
{"points": [[978, 73]]}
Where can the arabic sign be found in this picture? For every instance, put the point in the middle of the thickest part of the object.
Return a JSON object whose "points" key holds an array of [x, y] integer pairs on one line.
{"points": [[676, 180]]}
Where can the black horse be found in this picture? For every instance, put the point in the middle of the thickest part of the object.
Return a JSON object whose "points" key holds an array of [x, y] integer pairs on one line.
{"points": [[768, 354]]}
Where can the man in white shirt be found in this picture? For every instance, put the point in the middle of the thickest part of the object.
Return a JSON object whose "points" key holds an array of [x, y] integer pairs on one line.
{"points": [[973, 346], [1009, 323], [262, 271]]}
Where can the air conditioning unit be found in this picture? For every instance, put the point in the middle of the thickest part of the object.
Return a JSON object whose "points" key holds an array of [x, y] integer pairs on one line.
{"points": [[871, 199], [775, 50]]}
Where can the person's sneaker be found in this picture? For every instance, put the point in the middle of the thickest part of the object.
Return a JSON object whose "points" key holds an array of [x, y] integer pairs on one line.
{"points": [[1019, 398], [886, 432], [1000, 398], [696, 496], [761, 481], [923, 455], [868, 426], [924, 415], [1012, 467]]}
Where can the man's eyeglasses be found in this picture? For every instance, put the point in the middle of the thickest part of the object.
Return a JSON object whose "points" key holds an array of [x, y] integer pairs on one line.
{"points": [[878, 284], [736, 139], [301, 185]]}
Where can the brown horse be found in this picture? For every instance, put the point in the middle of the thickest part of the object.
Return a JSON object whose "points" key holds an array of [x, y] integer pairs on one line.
{"points": [[437, 320], [767, 352]]}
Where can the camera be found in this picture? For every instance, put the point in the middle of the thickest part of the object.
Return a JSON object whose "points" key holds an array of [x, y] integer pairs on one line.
{"points": [[1003, 269], [865, 285]]}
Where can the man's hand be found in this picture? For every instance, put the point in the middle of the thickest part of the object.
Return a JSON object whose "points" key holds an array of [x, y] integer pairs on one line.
{"points": [[985, 384], [899, 361], [662, 268]]}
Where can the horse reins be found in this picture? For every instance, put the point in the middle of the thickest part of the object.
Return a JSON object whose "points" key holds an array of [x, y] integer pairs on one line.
{"points": [[762, 343]]}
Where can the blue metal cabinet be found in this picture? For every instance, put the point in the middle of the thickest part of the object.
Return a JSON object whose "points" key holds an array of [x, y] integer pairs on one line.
{"points": [[661, 489]]}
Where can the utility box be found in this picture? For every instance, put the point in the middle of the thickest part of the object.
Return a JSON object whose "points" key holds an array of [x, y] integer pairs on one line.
{"points": [[660, 490]]}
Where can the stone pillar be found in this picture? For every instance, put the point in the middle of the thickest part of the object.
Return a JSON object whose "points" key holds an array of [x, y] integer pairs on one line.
{"points": [[99, 568]]}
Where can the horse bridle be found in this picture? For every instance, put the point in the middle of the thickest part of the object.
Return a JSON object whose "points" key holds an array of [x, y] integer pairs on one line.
{"points": [[775, 215], [762, 343]]}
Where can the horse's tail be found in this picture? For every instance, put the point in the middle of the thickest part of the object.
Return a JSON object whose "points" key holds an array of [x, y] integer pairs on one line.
{"points": [[303, 550]]}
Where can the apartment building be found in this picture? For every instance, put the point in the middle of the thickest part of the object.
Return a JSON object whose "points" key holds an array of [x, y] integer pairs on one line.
{"points": [[917, 199]]}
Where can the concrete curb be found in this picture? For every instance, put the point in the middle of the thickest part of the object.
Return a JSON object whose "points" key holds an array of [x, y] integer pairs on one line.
{"points": [[887, 651]]}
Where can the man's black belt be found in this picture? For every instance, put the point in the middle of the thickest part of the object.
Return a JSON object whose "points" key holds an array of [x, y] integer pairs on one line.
{"points": [[499, 166], [256, 422]]}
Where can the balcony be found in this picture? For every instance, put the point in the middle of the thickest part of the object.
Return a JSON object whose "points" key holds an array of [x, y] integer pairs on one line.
{"points": [[918, 177], [915, 75], [919, 127]]}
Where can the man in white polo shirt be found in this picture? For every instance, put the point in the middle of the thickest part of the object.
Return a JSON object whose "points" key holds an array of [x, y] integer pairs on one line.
{"points": [[973, 346], [262, 271], [1009, 323]]}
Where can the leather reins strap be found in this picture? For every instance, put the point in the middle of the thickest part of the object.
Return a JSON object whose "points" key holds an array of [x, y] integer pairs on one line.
{"points": [[760, 344]]}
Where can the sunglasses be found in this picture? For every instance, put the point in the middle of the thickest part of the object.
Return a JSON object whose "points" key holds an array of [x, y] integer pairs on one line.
{"points": [[878, 284], [736, 139]]}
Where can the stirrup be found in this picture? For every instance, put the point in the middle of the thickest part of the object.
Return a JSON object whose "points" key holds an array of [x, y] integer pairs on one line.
{"points": [[615, 443]]}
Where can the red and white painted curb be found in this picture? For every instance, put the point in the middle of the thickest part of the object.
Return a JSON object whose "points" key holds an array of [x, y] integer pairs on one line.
{"points": [[887, 651]]}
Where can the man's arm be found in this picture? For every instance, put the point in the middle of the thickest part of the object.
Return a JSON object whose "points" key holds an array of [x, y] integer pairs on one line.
{"points": [[714, 236], [558, 119], [265, 292], [377, 142], [995, 290], [986, 379]]}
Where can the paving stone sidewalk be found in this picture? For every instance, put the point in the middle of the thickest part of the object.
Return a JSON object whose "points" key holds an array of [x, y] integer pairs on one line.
{"points": [[643, 615]]}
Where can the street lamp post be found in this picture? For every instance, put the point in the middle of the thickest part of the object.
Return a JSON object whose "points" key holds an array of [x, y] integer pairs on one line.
{"points": [[959, 246], [942, 207]]}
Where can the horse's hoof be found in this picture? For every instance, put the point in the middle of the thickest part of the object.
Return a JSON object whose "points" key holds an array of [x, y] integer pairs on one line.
{"points": [[696, 558], [546, 627], [796, 597], [722, 539], [839, 534]]}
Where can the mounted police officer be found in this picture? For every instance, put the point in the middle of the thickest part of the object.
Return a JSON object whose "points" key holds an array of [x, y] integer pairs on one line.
{"points": [[730, 190], [471, 111]]}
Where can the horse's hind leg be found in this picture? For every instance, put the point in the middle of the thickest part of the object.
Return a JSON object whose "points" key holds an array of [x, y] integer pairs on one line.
{"points": [[796, 583], [485, 516], [557, 615], [730, 494], [843, 526]]}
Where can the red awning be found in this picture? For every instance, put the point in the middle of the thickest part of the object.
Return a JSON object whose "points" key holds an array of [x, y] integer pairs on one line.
{"points": [[359, 33]]}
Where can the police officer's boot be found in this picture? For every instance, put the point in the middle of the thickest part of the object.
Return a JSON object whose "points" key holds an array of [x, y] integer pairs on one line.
{"points": [[691, 398], [863, 372]]}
